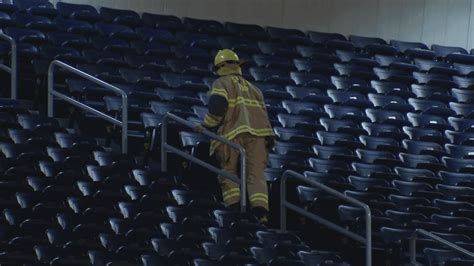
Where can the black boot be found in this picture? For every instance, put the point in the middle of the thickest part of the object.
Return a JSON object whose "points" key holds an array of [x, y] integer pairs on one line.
{"points": [[234, 207], [261, 214]]}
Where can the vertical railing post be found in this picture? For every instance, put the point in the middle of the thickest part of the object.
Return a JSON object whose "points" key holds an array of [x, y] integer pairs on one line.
{"points": [[50, 90], [163, 151], [124, 123], [243, 180], [413, 249], [282, 202], [368, 236], [14, 71]]}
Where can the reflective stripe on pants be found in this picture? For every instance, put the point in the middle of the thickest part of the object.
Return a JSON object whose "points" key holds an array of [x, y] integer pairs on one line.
{"points": [[257, 159]]}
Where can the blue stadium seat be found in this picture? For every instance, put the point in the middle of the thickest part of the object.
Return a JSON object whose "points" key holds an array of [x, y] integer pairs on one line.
{"points": [[116, 31], [269, 61], [463, 82], [268, 75], [156, 35], [198, 40], [431, 107], [435, 66], [298, 121], [318, 257], [463, 95], [308, 94], [120, 16], [251, 31], [204, 26], [333, 153], [390, 102], [72, 40], [34, 37], [429, 162], [308, 79], [458, 165], [292, 36], [437, 256], [382, 130], [338, 139], [380, 143], [380, 49], [460, 151], [154, 49], [424, 134], [377, 157], [323, 37], [429, 121], [394, 74], [387, 117], [432, 92], [33, 22], [423, 147], [459, 138], [42, 7], [402, 46], [239, 44], [348, 56], [347, 83], [167, 22], [391, 88], [147, 62], [464, 69], [279, 49], [342, 126], [462, 109], [411, 174], [362, 41], [111, 44], [6, 20], [78, 11], [444, 51], [392, 61], [295, 135], [345, 112], [367, 184], [372, 170]]}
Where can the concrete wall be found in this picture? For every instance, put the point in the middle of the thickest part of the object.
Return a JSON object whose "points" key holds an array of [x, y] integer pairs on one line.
{"points": [[446, 22]]}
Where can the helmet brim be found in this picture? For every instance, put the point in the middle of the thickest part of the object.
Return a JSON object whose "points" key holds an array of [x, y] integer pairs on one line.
{"points": [[240, 62]]}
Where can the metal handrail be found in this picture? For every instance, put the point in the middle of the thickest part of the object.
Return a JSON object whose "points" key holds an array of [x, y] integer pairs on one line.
{"points": [[165, 148], [52, 92], [437, 239], [284, 204], [12, 69]]}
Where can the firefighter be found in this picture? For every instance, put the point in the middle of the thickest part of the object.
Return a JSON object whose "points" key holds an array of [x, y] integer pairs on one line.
{"points": [[237, 112]]}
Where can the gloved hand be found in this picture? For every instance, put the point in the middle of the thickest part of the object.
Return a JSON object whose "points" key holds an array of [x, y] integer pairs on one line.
{"points": [[270, 141], [199, 129]]}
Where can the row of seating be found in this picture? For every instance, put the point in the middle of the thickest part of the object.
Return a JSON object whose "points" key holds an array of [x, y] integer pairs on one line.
{"points": [[386, 123], [66, 201], [133, 19], [199, 41]]}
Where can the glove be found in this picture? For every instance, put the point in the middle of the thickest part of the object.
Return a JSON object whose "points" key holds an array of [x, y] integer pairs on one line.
{"points": [[199, 129], [270, 141]]}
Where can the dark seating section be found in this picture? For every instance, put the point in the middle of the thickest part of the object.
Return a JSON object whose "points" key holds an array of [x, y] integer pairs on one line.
{"points": [[389, 123]]}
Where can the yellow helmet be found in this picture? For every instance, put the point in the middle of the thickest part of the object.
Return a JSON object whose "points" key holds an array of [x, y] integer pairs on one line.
{"points": [[224, 56]]}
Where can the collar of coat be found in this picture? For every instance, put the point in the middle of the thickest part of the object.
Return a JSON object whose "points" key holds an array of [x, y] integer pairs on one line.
{"points": [[225, 71]]}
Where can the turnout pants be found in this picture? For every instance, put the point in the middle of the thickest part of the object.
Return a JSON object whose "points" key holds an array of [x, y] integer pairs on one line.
{"points": [[257, 159]]}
